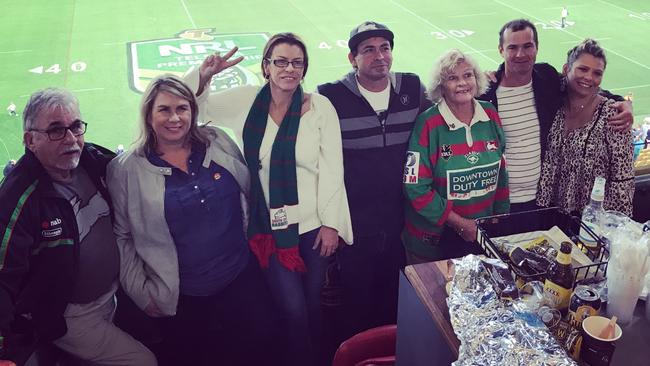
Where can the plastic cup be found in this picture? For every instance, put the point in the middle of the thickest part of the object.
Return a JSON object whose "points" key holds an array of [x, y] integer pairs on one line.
{"points": [[623, 290], [626, 270], [610, 221], [597, 351]]}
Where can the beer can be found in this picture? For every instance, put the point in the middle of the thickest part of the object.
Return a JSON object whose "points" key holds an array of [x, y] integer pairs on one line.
{"points": [[584, 303]]}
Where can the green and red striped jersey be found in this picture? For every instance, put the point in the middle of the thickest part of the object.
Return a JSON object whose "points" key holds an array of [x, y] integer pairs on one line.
{"points": [[452, 167]]}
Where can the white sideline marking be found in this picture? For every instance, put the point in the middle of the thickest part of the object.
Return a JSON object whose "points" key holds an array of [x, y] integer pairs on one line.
{"points": [[575, 35], [16, 51], [73, 90], [351, 26], [620, 7], [597, 39], [631, 87], [479, 51], [441, 30], [471, 15], [188, 14], [568, 7], [5, 146], [337, 66], [87, 89]]}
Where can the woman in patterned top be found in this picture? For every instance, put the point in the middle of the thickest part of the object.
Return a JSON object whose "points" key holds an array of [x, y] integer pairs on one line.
{"points": [[582, 146]]}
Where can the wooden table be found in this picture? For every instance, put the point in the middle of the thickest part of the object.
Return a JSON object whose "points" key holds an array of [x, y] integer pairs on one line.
{"points": [[425, 336], [424, 332]]}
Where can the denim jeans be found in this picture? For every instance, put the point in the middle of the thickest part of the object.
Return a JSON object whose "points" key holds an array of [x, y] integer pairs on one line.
{"points": [[298, 299]]}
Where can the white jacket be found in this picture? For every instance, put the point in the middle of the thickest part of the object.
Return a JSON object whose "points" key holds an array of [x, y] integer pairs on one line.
{"points": [[322, 198]]}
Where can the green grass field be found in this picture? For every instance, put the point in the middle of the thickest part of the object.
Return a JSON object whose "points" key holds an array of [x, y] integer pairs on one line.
{"points": [[91, 47]]}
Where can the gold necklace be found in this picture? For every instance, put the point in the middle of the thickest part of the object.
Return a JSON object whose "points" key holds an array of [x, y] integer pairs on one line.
{"points": [[575, 111]]}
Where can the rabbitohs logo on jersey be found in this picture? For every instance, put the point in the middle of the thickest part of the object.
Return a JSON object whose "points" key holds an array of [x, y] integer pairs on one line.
{"points": [[148, 59], [492, 145]]}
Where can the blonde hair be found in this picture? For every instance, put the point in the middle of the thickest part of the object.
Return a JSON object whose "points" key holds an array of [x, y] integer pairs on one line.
{"points": [[445, 64], [147, 141]]}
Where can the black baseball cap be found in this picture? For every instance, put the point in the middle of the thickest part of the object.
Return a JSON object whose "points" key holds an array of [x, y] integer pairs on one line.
{"points": [[367, 30]]}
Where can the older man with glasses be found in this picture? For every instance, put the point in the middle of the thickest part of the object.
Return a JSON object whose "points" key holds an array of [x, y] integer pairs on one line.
{"points": [[59, 262]]}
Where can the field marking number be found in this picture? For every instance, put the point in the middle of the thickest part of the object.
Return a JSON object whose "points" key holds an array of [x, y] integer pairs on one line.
{"points": [[78, 66], [553, 24], [642, 16], [455, 33], [341, 43]]}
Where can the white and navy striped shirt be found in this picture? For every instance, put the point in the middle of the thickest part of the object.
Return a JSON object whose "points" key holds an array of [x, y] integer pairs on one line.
{"points": [[523, 150]]}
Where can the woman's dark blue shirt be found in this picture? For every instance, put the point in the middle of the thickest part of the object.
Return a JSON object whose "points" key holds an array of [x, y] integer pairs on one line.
{"points": [[204, 215]]}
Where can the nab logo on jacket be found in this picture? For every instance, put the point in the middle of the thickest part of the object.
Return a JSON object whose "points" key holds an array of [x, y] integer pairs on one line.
{"points": [[51, 228]]}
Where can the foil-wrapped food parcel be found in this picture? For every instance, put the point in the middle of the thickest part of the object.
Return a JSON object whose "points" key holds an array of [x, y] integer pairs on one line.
{"points": [[494, 329]]}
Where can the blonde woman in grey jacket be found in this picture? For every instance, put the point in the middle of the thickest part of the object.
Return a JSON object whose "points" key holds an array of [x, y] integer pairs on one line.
{"points": [[180, 219]]}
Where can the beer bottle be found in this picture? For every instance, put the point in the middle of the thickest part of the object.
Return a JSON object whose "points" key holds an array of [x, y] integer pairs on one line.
{"points": [[559, 279]]}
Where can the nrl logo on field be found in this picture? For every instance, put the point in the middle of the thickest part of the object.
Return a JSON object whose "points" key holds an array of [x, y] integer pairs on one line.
{"points": [[148, 59]]}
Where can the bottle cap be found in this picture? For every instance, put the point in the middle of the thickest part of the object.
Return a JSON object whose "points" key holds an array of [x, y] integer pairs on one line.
{"points": [[565, 247]]}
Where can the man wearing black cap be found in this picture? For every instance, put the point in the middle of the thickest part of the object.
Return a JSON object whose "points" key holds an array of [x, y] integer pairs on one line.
{"points": [[376, 109]]}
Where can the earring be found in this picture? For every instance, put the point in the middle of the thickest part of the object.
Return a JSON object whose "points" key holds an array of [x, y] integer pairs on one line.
{"points": [[563, 83]]}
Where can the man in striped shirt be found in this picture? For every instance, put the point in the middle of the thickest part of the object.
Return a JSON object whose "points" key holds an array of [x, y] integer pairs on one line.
{"points": [[527, 96]]}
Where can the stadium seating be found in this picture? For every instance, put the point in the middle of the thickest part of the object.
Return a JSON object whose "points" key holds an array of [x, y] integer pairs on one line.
{"points": [[374, 346]]}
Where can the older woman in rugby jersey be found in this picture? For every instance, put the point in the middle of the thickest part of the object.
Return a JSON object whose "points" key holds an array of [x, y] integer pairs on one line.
{"points": [[455, 171]]}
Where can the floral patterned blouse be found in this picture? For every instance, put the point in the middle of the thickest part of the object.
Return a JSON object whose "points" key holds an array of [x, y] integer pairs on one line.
{"points": [[575, 158]]}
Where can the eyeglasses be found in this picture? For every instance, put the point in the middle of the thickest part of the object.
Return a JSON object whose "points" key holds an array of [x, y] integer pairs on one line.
{"points": [[282, 63], [77, 128]]}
